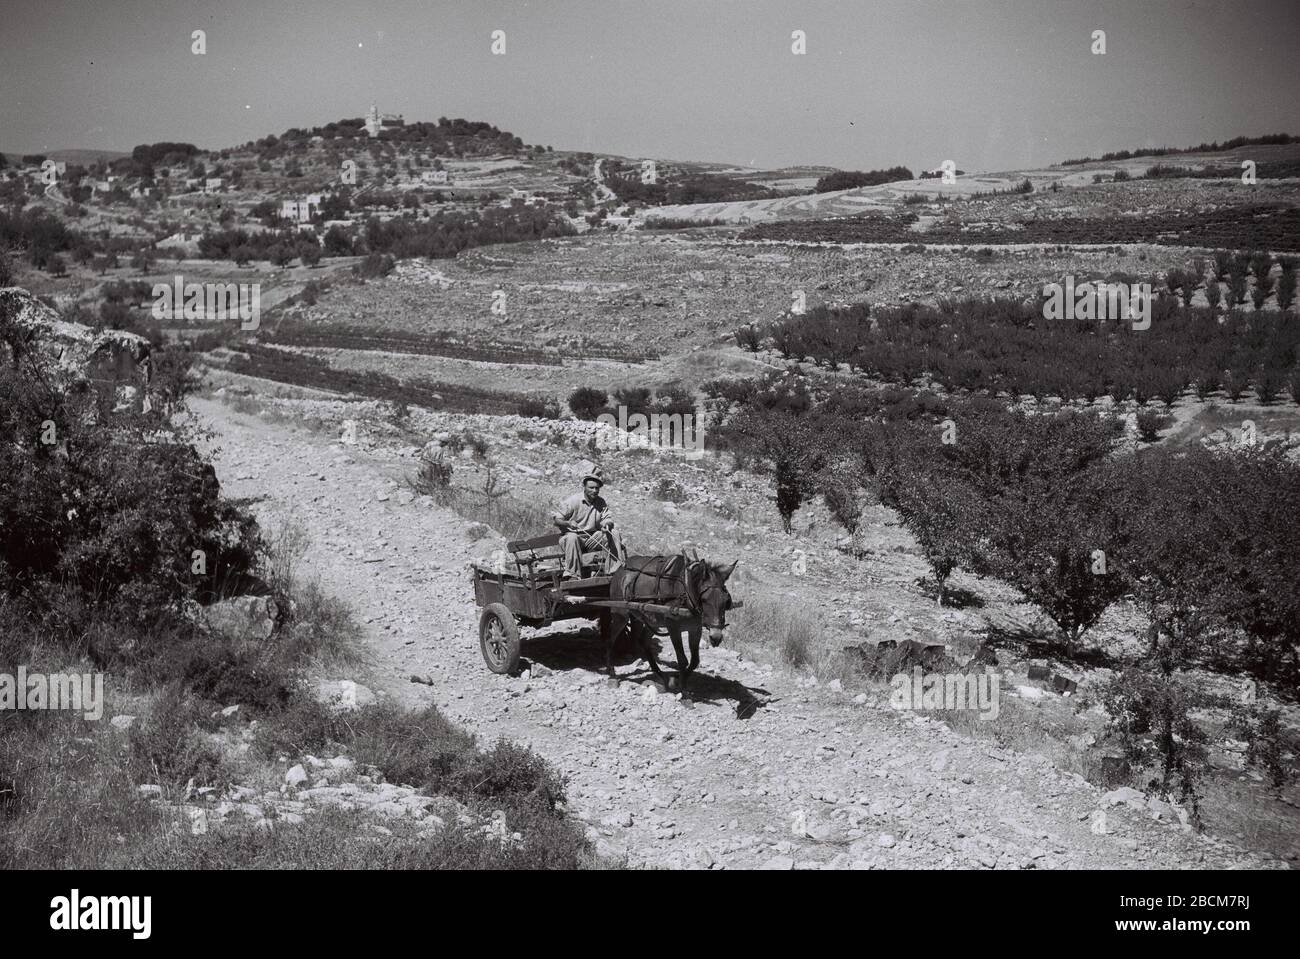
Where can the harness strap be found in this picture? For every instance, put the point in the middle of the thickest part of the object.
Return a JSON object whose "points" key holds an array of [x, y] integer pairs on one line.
{"points": [[665, 569]]}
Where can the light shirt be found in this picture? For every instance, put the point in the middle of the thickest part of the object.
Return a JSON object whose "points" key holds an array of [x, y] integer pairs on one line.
{"points": [[587, 516]]}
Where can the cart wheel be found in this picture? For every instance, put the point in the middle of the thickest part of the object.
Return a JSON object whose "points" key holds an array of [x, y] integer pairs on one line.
{"points": [[499, 637]]}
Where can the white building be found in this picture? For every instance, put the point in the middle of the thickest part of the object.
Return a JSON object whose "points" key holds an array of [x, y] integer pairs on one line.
{"points": [[302, 209], [375, 121]]}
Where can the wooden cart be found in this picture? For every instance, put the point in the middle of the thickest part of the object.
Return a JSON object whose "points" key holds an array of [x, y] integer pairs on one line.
{"points": [[529, 589]]}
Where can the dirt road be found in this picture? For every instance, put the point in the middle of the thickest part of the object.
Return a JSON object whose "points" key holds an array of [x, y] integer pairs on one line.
{"points": [[810, 779]]}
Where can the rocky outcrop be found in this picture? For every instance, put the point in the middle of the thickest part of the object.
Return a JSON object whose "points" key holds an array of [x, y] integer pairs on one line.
{"points": [[116, 363], [244, 620]]}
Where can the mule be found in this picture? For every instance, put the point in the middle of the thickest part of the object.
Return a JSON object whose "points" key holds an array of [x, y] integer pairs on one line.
{"points": [[696, 584]]}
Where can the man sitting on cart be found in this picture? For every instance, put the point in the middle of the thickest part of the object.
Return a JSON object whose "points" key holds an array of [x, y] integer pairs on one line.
{"points": [[586, 525]]}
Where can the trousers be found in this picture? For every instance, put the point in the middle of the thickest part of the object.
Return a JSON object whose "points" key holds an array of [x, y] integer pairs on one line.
{"points": [[575, 544]]}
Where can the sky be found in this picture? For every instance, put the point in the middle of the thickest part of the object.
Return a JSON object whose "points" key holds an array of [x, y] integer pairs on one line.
{"points": [[990, 84]]}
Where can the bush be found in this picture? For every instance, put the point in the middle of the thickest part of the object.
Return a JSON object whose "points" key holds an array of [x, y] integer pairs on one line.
{"points": [[587, 403], [668, 490], [1268, 384], [539, 409], [792, 448], [374, 266], [432, 478], [1150, 718], [168, 749], [106, 521], [1150, 423], [1285, 289]]}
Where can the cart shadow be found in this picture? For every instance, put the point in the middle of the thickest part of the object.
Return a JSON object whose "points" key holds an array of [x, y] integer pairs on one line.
{"points": [[582, 649]]}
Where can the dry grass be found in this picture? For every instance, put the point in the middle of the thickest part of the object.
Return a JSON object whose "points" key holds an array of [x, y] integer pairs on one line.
{"points": [[788, 632]]}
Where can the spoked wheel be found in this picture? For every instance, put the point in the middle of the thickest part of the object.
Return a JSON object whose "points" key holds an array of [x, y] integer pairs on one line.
{"points": [[498, 635]]}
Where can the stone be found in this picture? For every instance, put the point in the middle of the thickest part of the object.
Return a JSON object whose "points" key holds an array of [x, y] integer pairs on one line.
{"points": [[296, 776], [344, 695], [246, 620], [782, 863], [115, 363], [1125, 795], [123, 722]]}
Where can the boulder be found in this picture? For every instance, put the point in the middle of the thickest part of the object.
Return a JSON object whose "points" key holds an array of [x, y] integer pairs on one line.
{"points": [[244, 619], [114, 362]]}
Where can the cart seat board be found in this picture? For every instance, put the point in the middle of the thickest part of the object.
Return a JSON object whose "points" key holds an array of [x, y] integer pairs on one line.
{"points": [[550, 541]]}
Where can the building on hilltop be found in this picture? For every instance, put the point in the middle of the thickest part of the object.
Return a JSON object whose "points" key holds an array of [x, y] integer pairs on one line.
{"points": [[375, 121]]}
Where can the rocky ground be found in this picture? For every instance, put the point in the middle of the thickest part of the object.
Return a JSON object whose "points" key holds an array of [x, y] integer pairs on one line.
{"points": [[814, 776]]}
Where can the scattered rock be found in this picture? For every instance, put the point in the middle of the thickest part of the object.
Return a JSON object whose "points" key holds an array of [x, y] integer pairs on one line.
{"points": [[343, 695]]}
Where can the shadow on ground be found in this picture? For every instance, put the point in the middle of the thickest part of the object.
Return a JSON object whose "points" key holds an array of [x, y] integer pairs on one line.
{"points": [[581, 648]]}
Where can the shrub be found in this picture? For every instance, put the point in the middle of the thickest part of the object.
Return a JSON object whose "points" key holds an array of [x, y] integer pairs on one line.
{"points": [[748, 337], [1234, 384], [167, 748], [587, 403], [539, 409], [106, 520], [669, 491], [375, 265], [1150, 718], [787, 445], [1261, 729], [432, 477], [1150, 423], [1285, 289], [1268, 384]]}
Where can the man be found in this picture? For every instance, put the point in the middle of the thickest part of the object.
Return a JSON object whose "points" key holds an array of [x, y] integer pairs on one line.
{"points": [[586, 525]]}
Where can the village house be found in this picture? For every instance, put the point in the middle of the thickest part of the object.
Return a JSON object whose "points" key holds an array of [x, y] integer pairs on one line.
{"points": [[301, 209]]}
